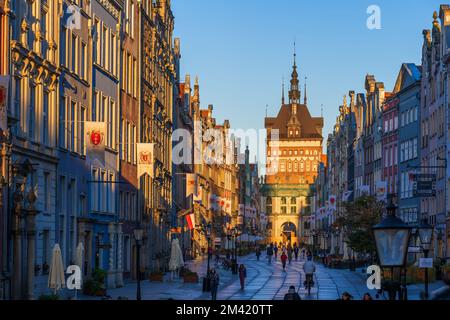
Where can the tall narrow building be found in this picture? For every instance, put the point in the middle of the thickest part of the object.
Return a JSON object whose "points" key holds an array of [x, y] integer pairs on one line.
{"points": [[292, 163]]}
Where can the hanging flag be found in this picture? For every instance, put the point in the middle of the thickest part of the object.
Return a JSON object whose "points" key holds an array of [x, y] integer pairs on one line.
{"points": [[190, 219], [95, 142], [145, 159], [332, 202], [346, 195], [191, 184], [199, 196], [381, 191], [4, 86]]}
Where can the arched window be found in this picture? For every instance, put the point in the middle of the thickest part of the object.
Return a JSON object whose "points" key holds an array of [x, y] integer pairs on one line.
{"points": [[295, 166]]}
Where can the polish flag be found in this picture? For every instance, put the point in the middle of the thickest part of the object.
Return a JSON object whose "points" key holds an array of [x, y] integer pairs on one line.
{"points": [[190, 218]]}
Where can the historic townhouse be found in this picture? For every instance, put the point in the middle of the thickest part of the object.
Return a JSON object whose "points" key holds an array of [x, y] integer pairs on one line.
{"points": [[183, 119], [407, 91], [358, 145], [159, 74], [103, 220], [389, 177], [5, 11], [433, 125], [74, 108], [129, 127], [35, 70], [292, 163]]}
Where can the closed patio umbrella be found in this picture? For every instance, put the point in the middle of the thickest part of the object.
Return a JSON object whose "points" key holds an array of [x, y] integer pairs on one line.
{"points": [[176, 256], [56, 277]]}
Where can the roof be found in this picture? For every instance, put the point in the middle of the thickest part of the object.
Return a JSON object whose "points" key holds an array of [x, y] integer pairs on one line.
{"points": [[408, 75], [310, 127]]}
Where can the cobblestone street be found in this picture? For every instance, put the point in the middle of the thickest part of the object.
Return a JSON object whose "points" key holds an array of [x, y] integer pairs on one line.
{"points": [[264, 282]]}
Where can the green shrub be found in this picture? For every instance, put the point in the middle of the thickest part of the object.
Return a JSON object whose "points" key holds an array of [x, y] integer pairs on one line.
{"points": [[48, 297], [99, 275]]}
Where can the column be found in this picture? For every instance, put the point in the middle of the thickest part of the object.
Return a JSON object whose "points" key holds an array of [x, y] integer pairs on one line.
{"points": [[30, 215], [119, 276], [17, 256], [111, 269]]}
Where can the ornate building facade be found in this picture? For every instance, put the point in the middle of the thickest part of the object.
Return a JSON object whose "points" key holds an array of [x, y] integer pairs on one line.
{"points": [[292, 163]]}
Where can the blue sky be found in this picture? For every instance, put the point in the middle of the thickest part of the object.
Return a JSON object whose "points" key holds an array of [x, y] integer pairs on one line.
{"points": [[240, 49]]}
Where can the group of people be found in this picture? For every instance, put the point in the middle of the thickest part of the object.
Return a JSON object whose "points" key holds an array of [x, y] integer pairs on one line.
{"points": [[214, 280], [288, 252]]}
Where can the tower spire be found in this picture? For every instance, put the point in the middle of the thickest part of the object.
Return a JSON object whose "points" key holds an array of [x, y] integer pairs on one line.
{"points": [[282, 92], [306, 98], [294, 93]]}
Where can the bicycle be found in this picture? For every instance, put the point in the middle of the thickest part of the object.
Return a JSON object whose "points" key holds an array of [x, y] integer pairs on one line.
{"points": [[309, 283]]}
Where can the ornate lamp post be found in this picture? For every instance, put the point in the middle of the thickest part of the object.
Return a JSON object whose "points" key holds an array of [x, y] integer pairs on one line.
{"points": [[392, 238], [138, 236], [426, 236]]}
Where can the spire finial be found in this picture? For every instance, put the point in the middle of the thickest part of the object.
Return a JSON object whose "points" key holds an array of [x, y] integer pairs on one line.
{"points": [[282, 92], [306, 98], [295, 54]]}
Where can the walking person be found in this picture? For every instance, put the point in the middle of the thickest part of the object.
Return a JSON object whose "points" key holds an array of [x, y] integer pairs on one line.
{"points": [[214, 283], [258, 253], [283, 258], [296, 252], [269, 254], [275, 250], [289, 254], [292, 294], [242, 275], [303, 254]]}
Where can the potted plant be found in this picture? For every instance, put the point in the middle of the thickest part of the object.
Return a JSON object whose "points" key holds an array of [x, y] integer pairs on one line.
{"points": [[446, 274], [157, 276], [190, 277], [96, 285]]}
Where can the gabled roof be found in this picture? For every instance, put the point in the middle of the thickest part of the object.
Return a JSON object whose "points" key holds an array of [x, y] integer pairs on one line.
{"points": [[311, 127], [408, 75]]}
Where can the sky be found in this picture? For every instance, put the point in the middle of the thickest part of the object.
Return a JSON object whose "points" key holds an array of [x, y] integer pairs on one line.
{"points": [[241, 49]]}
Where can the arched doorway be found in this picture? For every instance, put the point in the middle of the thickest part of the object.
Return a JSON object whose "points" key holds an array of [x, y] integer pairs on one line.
{"points": [[288, 232]]}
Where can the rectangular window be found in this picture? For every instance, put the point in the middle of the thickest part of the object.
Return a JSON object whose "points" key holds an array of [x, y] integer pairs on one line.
{"points": [[46, 192], [45, 117], [62, 123], [73, 107], [83, 66], [74, 53], [81, 123], [32, 113]]}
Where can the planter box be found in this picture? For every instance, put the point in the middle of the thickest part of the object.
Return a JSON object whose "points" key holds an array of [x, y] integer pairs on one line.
{"points": [[190, 278], [156, 277]]}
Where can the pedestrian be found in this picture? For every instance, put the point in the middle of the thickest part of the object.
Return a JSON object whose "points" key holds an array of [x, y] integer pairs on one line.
{"points": [[289, 253], [308, 254], [303, 253], [296, 252], [346, 296], [242, 275], [269, 254], [258, 253], [275, 250], [283, 258], [367, 297], [292, 294], [214, 283]]}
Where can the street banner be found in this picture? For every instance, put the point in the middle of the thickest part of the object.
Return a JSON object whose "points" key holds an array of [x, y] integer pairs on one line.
{"points": [[95, 142], [381, 191], [346, 196], [332, 202], [191, 184], [198, 197], [4, 87], [190, 219], [364, 189], [145, 152]]}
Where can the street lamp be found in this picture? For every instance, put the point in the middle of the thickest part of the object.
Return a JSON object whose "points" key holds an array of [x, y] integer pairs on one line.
{"points": [[426, 236], [234, 267], [391, 239], [208, 235], [138, 236]]}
